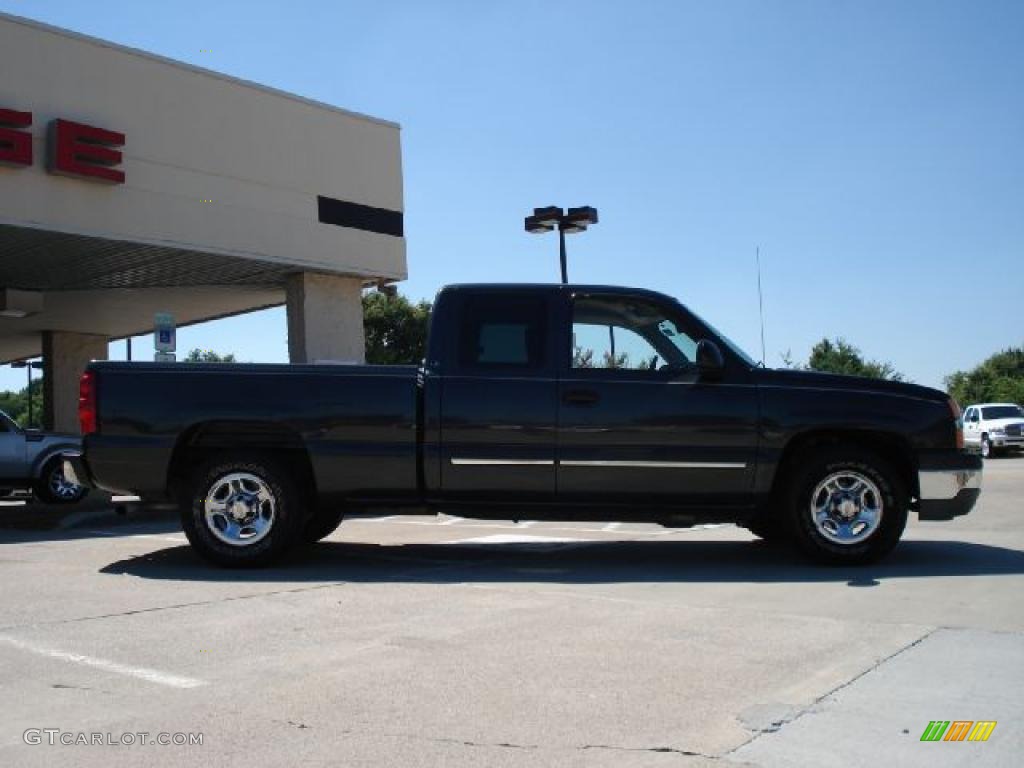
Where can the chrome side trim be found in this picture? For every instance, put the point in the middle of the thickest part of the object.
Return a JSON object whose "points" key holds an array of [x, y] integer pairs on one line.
{"points": [[459, 461], [657, 464], [946, 483], [468, 462]]}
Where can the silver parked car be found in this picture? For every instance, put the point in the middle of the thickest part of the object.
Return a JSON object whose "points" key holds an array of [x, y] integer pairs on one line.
{"points": [[31, 460]]}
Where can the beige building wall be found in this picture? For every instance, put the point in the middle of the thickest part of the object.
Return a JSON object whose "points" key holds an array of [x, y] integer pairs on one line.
{"points": [[212, 163]]}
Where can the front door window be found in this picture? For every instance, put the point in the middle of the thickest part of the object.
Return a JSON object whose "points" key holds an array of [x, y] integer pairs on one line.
{"points": [[627, 334]]}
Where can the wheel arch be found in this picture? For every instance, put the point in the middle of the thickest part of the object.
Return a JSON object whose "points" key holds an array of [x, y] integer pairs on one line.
{"points": [[50, 453], [203, 440], [893, 447]]}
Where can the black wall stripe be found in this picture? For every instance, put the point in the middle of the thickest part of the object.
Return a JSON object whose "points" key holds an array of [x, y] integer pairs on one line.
{"points": [[343, 214]]}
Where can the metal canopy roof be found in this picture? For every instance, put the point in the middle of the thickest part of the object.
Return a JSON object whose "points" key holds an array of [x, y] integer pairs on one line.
{"points": [[44, 260], [113, 287]]}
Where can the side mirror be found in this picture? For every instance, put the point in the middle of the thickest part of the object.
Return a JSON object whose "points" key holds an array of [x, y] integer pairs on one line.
{"points": [[709, 357]]}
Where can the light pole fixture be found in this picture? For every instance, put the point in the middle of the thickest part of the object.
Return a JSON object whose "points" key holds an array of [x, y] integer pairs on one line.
{"points": [[28, 365], [566, 222]]}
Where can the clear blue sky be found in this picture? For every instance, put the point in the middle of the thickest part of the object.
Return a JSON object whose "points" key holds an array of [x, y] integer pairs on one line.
{"points": [[874, 150]]}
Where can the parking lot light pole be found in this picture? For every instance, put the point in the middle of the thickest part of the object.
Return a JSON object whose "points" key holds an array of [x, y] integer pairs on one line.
{"points": [[567, 222], [28, 365]]}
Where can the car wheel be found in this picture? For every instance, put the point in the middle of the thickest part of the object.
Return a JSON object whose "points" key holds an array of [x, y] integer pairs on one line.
{"points": [[986, 447], [322, 524], [846, 506], [53, 487], [241, 511]]}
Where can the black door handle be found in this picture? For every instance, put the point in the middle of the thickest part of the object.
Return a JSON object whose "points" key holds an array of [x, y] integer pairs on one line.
{"points": [[580, 397]]}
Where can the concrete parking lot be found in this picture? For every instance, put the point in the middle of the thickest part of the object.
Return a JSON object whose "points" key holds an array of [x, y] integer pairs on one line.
{"points": [[442, 641]]}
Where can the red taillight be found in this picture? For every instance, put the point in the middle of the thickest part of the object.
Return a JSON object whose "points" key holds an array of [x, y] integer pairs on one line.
{"points": [[958, 423], [87, 403]]}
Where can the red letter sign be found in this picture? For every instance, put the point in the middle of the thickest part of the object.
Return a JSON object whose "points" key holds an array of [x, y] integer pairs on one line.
{"points": [[15, 145], [85, 151]]}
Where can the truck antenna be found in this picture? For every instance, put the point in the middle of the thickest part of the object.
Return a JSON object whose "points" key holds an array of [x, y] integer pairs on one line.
{"points": [[760, 301]]}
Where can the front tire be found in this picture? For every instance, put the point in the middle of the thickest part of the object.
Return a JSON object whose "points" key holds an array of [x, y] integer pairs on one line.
{"points": [[53, 487], [846, 506], [241, 511]]}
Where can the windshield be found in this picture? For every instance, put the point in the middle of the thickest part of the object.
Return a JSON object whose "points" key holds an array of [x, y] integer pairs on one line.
{"points": [[732, 345], [1002, 412], [7, 424]]}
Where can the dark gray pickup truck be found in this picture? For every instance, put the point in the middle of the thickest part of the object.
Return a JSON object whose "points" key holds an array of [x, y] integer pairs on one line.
{"points": [[539, 401]]}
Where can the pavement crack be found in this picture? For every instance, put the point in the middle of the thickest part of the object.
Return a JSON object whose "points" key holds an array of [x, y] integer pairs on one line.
{"points": [[175, 606], [778, 724], [463, 743], [663, 750]]}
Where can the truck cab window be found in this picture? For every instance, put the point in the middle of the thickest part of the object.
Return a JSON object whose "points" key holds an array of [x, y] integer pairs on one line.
{"points": [[502, 332], [627, 333]]}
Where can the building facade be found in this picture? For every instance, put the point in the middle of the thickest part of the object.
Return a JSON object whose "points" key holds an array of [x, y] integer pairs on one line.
{"points": [[131, 184]]}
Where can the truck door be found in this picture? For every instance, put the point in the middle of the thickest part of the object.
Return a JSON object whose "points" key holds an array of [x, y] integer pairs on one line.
{"points": [[498, 396], [637, 421]]}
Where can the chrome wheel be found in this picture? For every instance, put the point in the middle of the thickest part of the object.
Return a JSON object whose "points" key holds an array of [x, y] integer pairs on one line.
{"points": [[986, 447], [239, 509], [846, 507], [61, 487]]}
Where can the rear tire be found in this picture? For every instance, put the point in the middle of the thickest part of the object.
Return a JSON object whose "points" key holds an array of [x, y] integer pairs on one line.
{"points": [[322, 524], [846, 506], [241, 511], [53, 488]]}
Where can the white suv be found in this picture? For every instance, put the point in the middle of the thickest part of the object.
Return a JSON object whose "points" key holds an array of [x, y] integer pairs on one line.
{"points": [[994, 427]]}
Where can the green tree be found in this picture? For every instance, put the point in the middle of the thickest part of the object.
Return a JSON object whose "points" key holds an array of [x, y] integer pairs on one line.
{"points": [[999, 379], [208, 356], [15, 405], [840, 356], [582, 358], [395, 328]]}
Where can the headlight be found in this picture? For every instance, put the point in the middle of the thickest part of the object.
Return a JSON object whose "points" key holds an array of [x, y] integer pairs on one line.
{"points": [[998, 431]]}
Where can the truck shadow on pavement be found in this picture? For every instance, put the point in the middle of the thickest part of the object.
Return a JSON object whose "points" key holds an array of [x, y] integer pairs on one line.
{"points": [[578, 563], [44, 522]]}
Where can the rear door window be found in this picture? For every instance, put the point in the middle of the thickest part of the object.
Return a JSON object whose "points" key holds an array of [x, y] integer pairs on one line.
{"points": [[503, 332]]}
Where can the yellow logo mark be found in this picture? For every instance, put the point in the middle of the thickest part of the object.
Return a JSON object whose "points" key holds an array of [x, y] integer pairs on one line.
{"points": [[982, 730]]}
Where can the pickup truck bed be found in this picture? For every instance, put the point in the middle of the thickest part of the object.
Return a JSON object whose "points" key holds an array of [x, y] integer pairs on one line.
{"points": [[356, 423]]}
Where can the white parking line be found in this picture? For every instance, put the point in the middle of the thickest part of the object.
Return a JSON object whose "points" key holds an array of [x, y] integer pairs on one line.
{"points": [[140, 673], [611, 527], [180, 538], [500, 538], [452, 521]]}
